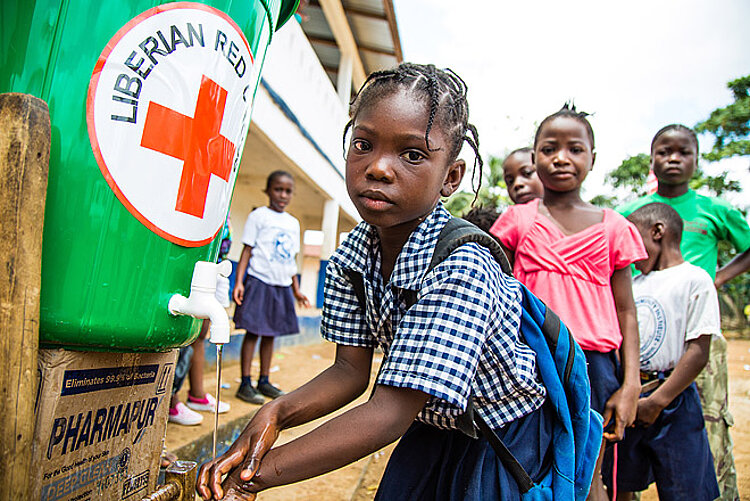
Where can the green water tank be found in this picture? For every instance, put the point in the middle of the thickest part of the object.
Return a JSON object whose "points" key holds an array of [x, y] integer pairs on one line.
{"points": [[150, 107]]}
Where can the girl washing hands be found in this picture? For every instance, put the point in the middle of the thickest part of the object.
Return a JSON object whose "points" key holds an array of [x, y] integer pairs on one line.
{"points": [[459, 340]]}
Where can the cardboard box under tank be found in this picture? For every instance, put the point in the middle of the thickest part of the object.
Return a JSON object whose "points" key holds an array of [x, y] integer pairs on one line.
{"points": [[100, 423]]}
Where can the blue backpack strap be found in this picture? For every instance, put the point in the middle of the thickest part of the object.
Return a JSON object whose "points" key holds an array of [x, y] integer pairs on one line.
{"points": [[517, 471], [454, 234], [551, 328], [458, 232]]}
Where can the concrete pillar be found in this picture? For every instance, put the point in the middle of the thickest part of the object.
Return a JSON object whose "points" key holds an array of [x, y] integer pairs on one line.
{"points": [[330, 229], [307, 265], [344, 80]]}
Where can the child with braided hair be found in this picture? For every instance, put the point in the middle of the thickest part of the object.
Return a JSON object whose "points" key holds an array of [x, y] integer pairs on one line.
{"points": [[458, 342]]}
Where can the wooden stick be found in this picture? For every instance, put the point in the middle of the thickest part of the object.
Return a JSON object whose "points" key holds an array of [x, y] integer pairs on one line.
{"points": [[24, 164]]}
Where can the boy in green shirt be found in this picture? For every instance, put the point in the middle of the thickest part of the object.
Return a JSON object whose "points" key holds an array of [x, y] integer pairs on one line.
{"points": [[708, 220]]}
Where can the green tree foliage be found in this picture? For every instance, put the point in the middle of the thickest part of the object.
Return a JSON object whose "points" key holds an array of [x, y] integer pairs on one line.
{"points": [[459, 203], [493, 192], [631, 174], [734, 295], [718, 185], [730, 125], [607, 201]]}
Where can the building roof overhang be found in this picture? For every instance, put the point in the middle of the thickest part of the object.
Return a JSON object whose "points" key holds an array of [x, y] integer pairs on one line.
{"points": [[373, 26]]}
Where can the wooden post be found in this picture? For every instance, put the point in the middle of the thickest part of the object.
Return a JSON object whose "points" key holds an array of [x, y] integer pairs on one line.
{"points": [[24, 164]]}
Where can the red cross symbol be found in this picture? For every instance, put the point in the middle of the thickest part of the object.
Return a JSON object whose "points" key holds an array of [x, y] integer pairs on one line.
{"points": [[197, 141]]}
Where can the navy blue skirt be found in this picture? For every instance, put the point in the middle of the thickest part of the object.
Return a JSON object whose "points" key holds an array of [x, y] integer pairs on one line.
{"points": [[673, 451], [604, 375], [266, 310], [432, 464]]}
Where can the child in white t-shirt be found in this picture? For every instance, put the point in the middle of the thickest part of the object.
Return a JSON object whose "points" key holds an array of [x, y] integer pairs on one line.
{"points": [[267, 285], [678, 313]]}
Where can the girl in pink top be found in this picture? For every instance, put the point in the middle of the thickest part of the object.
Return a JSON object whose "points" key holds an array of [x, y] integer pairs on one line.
{"points": [[576, 257]]}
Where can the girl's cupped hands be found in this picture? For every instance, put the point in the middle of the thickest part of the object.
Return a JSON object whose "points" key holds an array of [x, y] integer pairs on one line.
{"points": [[241, 463]]}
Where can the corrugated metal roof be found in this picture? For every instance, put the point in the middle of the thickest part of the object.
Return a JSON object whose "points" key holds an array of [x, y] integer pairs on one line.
{"points": [[373, 24]]}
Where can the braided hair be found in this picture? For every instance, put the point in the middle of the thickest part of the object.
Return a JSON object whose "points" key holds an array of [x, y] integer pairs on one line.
{"points": [[568, 110], [679, 128], [442, 91]]}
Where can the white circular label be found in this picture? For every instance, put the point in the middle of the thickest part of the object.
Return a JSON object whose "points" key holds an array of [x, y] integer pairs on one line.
{"points": [[168, 110]]}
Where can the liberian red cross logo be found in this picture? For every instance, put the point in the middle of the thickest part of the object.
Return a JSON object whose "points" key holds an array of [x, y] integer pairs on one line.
{"points": [[168, 113], [196, 141]]}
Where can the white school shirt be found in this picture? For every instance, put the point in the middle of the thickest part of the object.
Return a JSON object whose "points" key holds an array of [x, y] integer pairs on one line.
{"points": [[274, 237], [675, 305]]}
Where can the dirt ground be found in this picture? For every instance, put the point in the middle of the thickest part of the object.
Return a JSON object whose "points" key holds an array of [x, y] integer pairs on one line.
{"points": [[294, 366], [739, 404]]}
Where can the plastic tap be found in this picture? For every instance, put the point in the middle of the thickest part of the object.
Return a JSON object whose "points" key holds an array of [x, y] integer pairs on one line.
{"points": [[203, 301]]}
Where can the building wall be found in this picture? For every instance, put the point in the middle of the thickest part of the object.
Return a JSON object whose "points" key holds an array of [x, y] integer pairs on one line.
{"points": [[297, 124]]}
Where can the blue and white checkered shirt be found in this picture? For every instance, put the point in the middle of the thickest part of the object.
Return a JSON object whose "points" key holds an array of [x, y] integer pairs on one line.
{"points": [[459, 338]]}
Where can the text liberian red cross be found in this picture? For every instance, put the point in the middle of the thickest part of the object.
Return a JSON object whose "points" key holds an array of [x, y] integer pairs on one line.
{"points": [[196, 141]]}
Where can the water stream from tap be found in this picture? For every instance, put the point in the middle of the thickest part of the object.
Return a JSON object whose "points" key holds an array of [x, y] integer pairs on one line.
{"points": [[219, 348]]}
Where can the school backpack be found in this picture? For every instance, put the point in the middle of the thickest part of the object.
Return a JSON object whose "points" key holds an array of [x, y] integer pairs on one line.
{"points": [[577, 429]]}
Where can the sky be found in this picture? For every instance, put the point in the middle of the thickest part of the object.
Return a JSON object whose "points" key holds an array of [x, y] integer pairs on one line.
{"points": [[636, 66]]}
